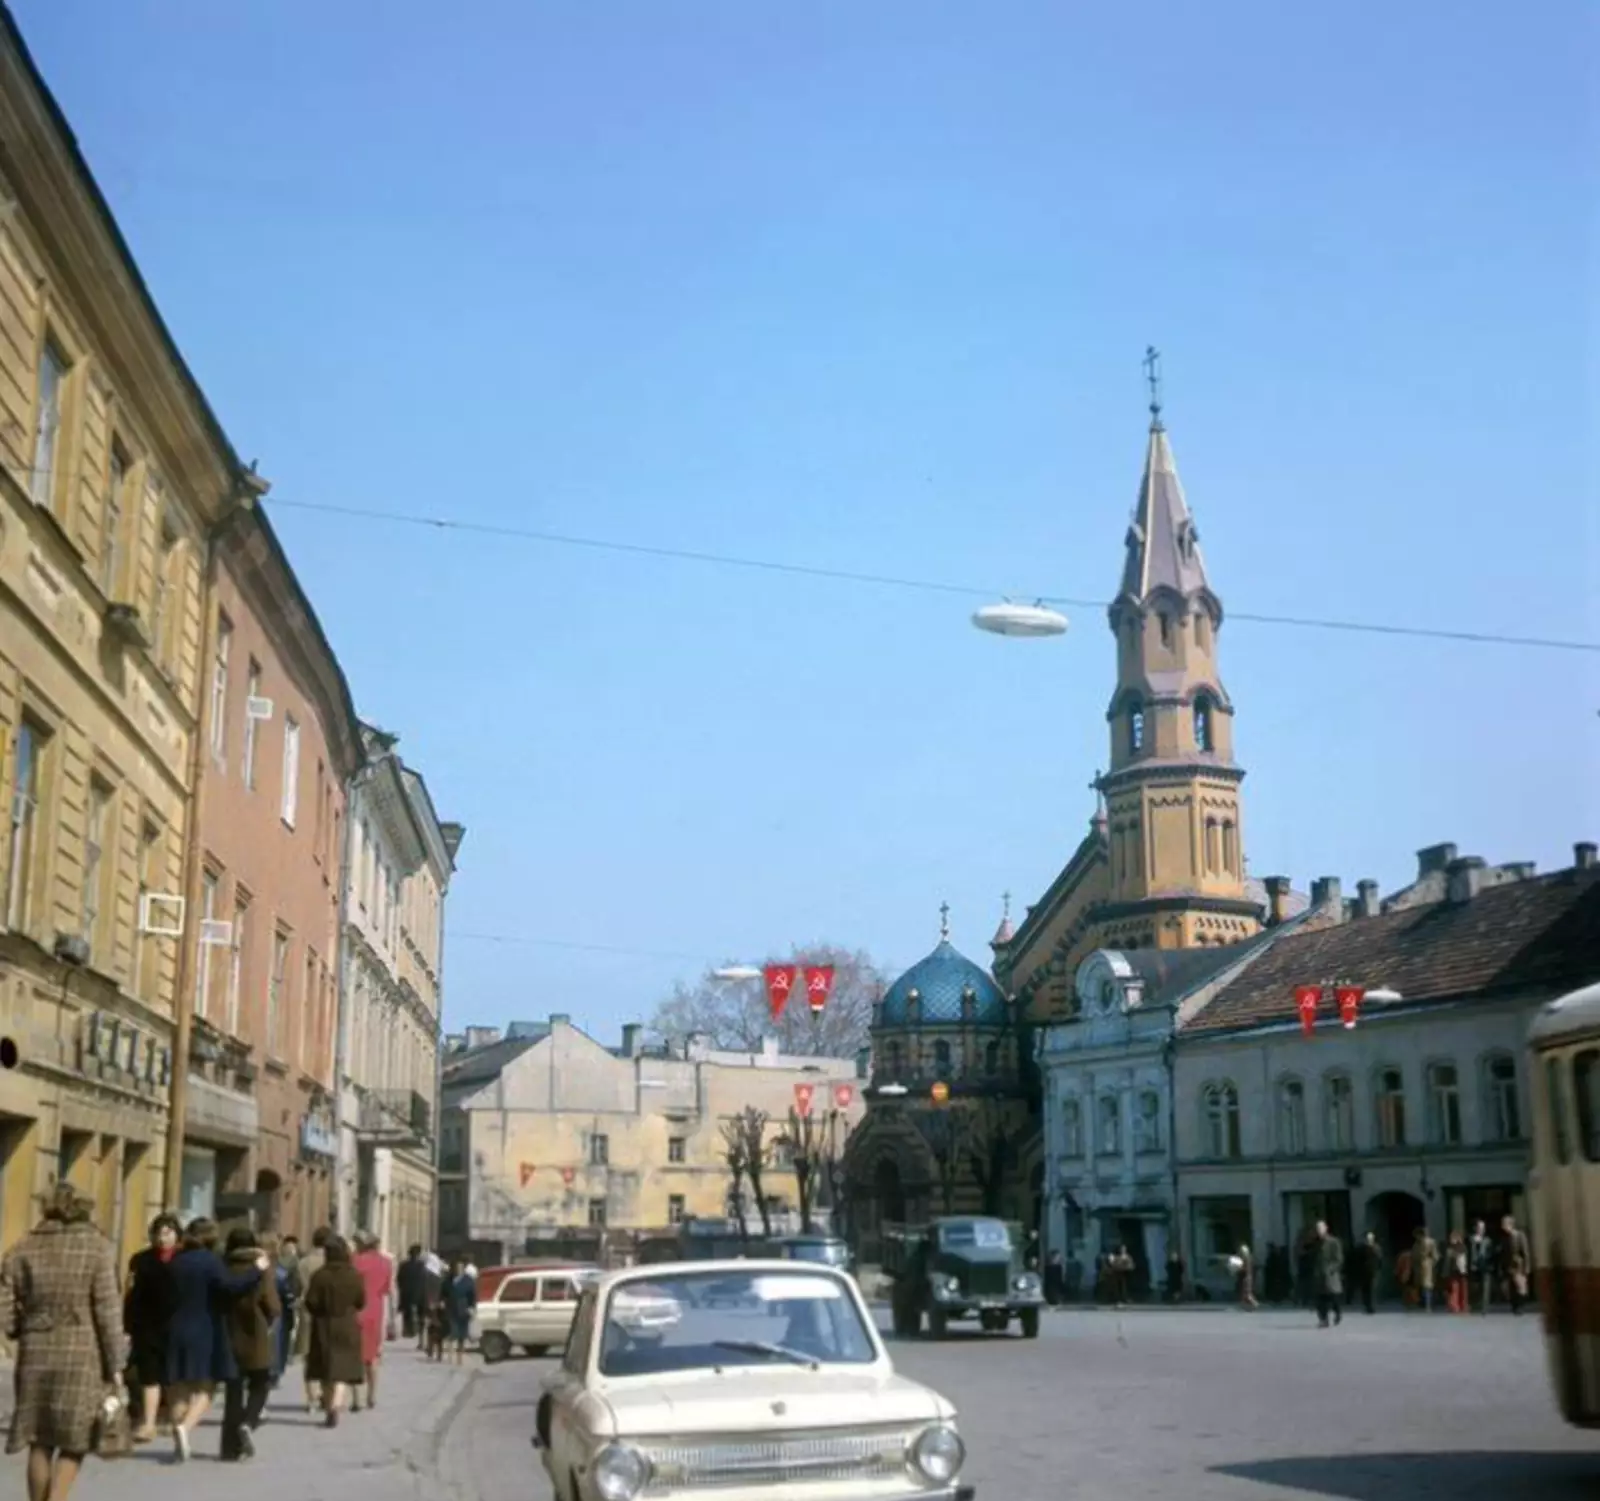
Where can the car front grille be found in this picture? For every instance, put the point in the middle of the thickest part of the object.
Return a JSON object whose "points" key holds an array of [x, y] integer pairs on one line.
{"points": [[988, 1281], [793, 1459]]}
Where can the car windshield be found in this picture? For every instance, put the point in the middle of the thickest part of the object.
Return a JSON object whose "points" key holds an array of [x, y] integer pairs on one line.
{"points": [[984, 1235], [686, 1321]]}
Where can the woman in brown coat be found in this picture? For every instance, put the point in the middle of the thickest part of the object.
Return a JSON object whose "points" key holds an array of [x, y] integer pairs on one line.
{"points": [[248, 1317], [59, 1302], [334, 1296]]}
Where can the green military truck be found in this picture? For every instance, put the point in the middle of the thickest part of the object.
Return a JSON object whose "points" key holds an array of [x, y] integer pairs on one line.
{"points": [[960, 1267]]}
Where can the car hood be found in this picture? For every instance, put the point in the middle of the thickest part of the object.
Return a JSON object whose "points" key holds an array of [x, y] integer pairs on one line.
{"points": [[741, 1400]]}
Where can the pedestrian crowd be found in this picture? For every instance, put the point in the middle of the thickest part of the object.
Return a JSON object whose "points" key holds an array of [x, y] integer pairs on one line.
{"points": [[103, 1367]]}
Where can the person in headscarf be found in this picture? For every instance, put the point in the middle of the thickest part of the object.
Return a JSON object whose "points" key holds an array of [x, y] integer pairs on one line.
{"points": [[305, 1270], [334, 1297], [59, 1306], [377, 1275], [147, 1316]]}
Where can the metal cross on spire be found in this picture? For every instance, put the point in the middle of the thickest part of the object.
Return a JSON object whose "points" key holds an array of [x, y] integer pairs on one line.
{"points": [[1005, 904], [1152, 373], [944, 922], [1099, 794]]}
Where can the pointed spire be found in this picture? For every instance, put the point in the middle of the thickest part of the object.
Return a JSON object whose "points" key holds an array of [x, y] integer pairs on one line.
{"points": [[1163, 544], [1005, 932], [944, 922]]}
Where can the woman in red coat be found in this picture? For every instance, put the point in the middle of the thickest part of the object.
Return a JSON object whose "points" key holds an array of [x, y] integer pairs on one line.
{"points": [[377, 1273]]}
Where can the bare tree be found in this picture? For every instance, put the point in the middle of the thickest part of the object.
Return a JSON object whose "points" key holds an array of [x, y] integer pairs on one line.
{"points": [[943, 1128], [735, 1014], [750, 1126], [733, 1153], [990, 1141], [806, 1138]]}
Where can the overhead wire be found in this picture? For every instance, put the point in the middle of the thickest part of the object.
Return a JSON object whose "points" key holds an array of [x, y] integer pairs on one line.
{"points": [[899, 581]]}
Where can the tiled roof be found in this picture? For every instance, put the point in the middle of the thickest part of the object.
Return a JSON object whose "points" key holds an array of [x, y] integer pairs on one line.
{"points": [[480, 1066], [1540, 935], [940, 981]]}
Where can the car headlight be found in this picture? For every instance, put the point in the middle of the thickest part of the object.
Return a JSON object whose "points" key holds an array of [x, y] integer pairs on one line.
{"points": [[952, 1284], [1025, 1281], [938, 1454], [620, 1472]]}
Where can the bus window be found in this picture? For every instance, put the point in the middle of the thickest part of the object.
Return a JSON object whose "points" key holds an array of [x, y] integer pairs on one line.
{"points": [[1555, 1080], [1586, 1084]]}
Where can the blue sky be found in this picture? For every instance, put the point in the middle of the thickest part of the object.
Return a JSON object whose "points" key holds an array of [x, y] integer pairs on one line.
{"points": [[867, 287]]}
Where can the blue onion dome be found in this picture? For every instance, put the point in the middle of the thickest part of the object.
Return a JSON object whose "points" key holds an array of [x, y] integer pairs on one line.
{"points": [[933, 992]]}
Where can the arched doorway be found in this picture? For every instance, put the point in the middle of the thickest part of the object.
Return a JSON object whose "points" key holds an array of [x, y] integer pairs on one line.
{"points": [[1395, 1217]]}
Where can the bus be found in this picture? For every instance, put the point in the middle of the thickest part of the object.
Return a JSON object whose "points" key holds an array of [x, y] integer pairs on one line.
{"points": [[1564, 1196]]}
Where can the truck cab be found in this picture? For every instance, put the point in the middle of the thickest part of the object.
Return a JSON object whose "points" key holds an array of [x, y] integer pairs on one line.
{"points": [[961, 1267]]}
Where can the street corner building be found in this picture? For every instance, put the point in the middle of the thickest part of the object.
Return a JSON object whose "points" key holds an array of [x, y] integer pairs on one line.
{"points": [[113, 473], [553, 1144]]}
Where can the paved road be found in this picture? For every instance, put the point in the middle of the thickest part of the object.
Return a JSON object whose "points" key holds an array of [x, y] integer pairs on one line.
{"points": [[1210, 1406]]}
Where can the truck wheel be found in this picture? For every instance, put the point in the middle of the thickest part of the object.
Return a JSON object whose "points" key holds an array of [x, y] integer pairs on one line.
{"points": [[936, 1323], [1029, 1319], [494, 1347]]}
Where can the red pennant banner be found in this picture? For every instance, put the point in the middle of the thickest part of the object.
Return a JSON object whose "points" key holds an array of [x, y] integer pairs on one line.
{"points": [[780, 980], [843, 1094], [525, 1171], [819, 982], [1306, 999], [1349, 997], [568, 1174], [803, 1095]]}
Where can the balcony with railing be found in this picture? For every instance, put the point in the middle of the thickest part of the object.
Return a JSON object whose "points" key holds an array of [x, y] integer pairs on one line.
{"points": [[397, 1118]]}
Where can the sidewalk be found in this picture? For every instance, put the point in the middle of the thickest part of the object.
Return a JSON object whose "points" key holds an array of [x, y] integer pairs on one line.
{"points": [[388, 1454]]}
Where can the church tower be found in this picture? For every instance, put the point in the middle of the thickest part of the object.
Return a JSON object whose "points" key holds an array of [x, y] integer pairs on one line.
{"points": [[1172, 805]]}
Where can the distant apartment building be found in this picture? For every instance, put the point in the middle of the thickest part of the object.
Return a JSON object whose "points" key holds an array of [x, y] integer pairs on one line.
{"points": [[401, 858], [551, 1140], [113, 472], [280, 743]]}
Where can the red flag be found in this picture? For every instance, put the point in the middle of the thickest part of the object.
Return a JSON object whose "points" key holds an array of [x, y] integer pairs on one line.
{"points": [[843, 1094], [526, 1171], [1349, 997], [802, 1097], [1307, 998], [819, 981], [780, 980], [568, 1174]]}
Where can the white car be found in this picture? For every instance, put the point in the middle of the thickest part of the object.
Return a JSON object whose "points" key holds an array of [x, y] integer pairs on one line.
{"points": [[770, 1381]]}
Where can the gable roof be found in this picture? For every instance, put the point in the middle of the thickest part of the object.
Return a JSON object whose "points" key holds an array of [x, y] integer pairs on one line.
{"points": [[1536, 935], [479, 1066]]}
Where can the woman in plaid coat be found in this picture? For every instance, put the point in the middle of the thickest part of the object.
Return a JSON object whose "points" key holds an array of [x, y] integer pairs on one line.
{"points": [[59, 1300]]}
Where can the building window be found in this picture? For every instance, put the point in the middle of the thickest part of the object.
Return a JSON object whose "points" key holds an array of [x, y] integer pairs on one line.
{"points": [[1220, 1120], [112, 524], [1108, 1125], [675, 1208], [241, 922], [1136, 730], [147, 955], [210, 884], [597, 1214], [1147, 1124], [252, 688], [1165, 622], [941, 1058], [1391, 1103], [1230, 848], [26, 779], [312, 966], [96, 828], [1292, 1118], [219, 687], [276, 982], [163, 590], [291, 769], [1444, 1105], [1213, 845], [991, 1058], [1202, 726], [599, 1151], [53, 369], [1504, 1115], [1071, 1128], [1338, 1112], [675, 1149]]}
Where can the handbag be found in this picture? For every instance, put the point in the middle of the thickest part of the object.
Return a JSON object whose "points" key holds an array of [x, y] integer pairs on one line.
{"points": [[113, 1432]]}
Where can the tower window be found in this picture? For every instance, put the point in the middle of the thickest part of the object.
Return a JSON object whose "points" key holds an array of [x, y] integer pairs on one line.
{"points": [[1202, 726], [1136, 729], [1166, 630]]}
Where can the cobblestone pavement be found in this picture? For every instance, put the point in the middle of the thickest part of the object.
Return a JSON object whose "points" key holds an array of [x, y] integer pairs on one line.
{"points": [[388, 1454], [1207, 1406]]}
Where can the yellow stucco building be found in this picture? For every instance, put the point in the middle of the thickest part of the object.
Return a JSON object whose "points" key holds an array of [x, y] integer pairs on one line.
{"points": [[112, 471], [550, 1139]]}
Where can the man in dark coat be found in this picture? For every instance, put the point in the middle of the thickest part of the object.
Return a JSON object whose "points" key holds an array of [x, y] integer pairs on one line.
{"points": [[1368, 1263], [411, 1293], [1328, 1271]]}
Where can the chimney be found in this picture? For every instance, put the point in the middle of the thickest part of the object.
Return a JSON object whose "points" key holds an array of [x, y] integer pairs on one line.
{"points": [[1583, 855], [1436, 857], [630, 1039], [1367, 899], [560, 1019], [1277, 889], [1328, 891], [482, 1037], [1465, 879], [1519, 870]]}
